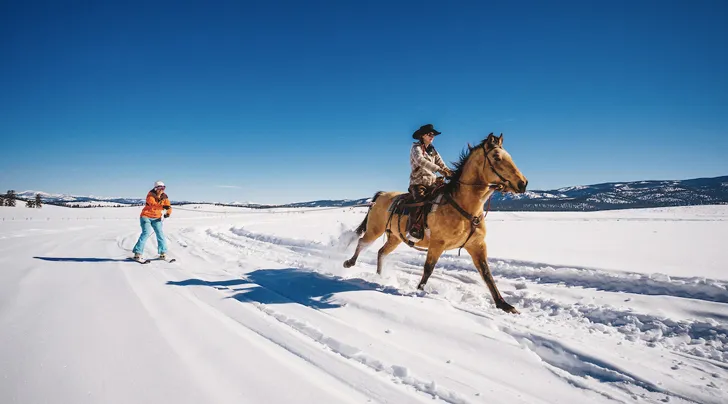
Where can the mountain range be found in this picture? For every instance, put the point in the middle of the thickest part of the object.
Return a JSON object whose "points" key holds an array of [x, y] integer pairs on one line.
{"points": [[613, 195]]}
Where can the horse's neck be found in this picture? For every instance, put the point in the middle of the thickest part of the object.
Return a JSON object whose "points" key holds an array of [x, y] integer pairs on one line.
{"points": [[472, 200], [470, 197]]}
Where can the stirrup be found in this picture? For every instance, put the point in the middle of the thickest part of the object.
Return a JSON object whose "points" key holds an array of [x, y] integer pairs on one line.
{"points": [[413, 238]]}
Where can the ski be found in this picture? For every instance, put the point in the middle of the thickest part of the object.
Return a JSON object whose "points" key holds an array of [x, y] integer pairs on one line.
{"points": [[147, 261]]}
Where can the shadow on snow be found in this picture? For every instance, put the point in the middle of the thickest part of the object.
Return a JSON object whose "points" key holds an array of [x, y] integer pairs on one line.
{"points": [[281, 286]]}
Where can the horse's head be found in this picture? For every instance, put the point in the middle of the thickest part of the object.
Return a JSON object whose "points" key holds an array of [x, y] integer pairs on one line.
{"points": [[499, 167]]}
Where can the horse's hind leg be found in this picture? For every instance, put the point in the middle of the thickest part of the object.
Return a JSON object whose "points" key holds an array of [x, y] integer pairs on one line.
{"points": [[364, 242], [388, 247], [433, 255]]}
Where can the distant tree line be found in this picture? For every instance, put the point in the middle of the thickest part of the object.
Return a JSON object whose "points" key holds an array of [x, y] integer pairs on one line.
{"points": [[10, 199], [79, 206]]}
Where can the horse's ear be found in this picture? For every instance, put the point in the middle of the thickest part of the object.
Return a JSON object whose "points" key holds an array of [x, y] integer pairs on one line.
{"points": [[491, 140], [470, 147], [500, 140]]}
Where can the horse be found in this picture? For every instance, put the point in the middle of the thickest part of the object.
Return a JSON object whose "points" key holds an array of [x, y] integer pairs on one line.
{"points": [[455, 222]]}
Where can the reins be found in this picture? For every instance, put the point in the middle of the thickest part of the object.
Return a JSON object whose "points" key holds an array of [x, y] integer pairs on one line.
{"points": [[475, 221]]}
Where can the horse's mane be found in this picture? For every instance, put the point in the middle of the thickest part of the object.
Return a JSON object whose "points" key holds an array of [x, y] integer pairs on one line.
{"points": [[454, 183]]}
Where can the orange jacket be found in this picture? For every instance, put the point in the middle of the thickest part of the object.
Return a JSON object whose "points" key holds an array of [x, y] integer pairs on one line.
{"points": [[153, 208]]}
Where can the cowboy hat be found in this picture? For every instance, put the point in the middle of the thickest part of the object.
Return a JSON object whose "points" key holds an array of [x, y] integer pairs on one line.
{"points": [[423, 130]]}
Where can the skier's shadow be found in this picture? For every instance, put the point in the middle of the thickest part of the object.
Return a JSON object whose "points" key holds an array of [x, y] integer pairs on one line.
{"points": [[80, 259], [290, 285]]}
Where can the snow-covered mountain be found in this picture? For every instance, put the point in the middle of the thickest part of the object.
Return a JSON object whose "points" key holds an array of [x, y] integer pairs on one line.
{"points": [[82, 201], [613, 195], [620, 195], [309, 204]]}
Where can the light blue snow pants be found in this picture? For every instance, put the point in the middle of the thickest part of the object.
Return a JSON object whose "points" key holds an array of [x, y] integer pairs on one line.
{"points": [[147, 226]]}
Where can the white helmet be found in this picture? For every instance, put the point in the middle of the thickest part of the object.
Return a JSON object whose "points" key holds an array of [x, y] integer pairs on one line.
{"points": [[158, 184]]}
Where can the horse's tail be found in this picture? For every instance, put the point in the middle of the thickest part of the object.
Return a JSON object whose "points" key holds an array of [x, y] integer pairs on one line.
{"points": [[363, 226]]}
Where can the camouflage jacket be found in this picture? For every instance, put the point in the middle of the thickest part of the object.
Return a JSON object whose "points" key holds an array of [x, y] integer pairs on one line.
{"points": [[425, 163]]}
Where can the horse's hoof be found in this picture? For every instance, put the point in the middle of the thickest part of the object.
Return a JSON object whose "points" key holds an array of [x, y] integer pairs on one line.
{"points": [[347, 264], [507, 308]]}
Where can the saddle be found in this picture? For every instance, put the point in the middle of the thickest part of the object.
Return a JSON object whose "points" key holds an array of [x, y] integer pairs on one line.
{"points": [[405, 204]]}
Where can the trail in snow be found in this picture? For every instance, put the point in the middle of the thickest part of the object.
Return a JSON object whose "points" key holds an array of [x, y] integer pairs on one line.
{"points": [[706, 337], [703, 338], [259, 309]]}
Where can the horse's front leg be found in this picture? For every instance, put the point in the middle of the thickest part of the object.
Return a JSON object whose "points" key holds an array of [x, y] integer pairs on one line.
{"points": [[478, 253], [433, 254]]}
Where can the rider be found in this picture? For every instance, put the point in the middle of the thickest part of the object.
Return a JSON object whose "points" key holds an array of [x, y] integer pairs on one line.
{"points": [[151, 219], [425, 162]]}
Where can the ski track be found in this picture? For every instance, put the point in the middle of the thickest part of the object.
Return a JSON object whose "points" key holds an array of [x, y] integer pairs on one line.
{"points": [[705, 338], [399, 373], [658, 284], [701, 338]]}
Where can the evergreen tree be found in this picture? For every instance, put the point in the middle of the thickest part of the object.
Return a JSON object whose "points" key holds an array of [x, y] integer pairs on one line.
{"points": [[10, 198], [38, 202], [30, 203]]}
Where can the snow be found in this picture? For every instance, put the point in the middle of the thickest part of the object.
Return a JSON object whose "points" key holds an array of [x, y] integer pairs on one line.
{"points": [[573, 188], [97, 204], [617, 306]]}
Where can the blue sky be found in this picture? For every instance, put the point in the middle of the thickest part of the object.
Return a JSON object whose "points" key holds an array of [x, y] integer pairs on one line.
{"points": [[290, 101]]}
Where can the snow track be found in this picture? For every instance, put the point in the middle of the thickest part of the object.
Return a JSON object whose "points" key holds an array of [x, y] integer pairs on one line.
{"points": [[256, 311], [456, 283]]}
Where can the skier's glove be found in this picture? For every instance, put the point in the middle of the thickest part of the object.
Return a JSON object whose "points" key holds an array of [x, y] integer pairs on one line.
{"points": [[166, 215]]}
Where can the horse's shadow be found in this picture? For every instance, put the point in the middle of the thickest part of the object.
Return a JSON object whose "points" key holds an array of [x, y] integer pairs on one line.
{"points": [[291, 285]]}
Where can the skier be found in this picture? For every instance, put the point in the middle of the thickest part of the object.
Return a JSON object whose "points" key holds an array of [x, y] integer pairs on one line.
{"points": [[425, 161], [151, 219]]}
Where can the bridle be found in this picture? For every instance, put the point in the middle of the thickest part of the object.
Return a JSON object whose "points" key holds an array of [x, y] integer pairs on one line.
{"points": [[476, 220], [494, 185]]}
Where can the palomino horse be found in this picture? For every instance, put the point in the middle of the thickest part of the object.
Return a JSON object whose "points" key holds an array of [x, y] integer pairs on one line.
{"points": [[457, 220]]}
